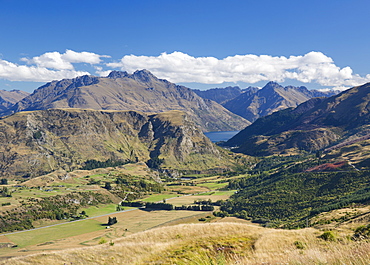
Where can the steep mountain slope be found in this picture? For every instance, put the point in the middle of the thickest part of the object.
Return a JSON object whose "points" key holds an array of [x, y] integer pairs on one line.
{"points": [[272, 97], [9, 98], [37, 142], [312, 126], [139, 91], [222, 95]]}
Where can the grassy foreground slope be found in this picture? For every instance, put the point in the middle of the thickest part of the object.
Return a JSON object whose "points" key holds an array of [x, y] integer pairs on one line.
{"points": [[215, 243]]}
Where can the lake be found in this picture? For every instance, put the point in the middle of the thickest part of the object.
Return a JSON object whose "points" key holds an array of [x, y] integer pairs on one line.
{"points": [[220, 136]]}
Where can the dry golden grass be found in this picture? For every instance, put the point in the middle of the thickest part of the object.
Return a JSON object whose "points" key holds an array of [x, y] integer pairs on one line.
{"points": [[212, 243]]}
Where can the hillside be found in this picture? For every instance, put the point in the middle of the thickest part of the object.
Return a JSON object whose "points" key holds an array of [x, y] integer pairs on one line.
{"points": [[285, 191], [140, 91], [33, 143], [313, 125], [215, 243], [273, 97], [9, 98]]}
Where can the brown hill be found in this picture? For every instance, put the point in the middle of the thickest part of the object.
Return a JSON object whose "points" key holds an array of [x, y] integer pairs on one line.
{"points": [[140, 91], [313, 125], [37, 142]]}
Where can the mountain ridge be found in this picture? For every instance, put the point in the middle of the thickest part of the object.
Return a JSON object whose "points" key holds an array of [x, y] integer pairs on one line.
{"points": [[140, 91], [271, 98]]}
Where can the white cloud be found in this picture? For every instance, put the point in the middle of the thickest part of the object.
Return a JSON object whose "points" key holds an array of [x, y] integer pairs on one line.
{"points": [[99, 71], [180, 67], [14, 72], [63, 61], [48, 66]]}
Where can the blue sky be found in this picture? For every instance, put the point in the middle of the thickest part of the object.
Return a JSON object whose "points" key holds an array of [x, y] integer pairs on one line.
{"points": [[320, 44]]}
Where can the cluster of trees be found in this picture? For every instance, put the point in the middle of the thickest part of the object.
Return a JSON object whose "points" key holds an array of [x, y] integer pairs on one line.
{"points": [[133, 204], [53, 208], [195, 207], [168, 206], [92, 163], [286, 196], [5, 192], [159, 206], [154, 162], [209, 202]]}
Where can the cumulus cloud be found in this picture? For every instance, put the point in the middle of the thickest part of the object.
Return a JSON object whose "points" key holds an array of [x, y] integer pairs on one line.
{"points": [[14, 72], [48, 66], [180, 67], [99, 71], [63, 61]]}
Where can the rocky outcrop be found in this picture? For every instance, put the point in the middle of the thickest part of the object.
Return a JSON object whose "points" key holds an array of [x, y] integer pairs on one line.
{"points": [[38, 142], [140, 91]]}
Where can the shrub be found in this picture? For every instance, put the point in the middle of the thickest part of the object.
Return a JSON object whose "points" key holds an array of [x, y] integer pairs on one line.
{"points": [[328, 236], [299, 245], [362, 232], [102, 241]]}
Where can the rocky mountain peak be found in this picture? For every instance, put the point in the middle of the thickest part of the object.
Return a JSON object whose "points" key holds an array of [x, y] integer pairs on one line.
{"points": [[85, 80], [118, 74], [272, 85], [143, 76]]}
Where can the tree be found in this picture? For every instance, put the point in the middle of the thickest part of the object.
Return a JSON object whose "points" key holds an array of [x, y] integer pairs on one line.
{"points": [[4, 182], [112, 220], [107, 186]]}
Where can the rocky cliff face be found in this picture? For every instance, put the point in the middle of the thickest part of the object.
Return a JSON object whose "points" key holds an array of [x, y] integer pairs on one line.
{"points": [[140, 91], [37, 142], [313, 125]]}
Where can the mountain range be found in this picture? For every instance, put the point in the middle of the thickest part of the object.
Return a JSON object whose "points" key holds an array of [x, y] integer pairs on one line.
{"points": [[314, 125], [9, 98], [222, 95], [140, 91], [252, 102]]}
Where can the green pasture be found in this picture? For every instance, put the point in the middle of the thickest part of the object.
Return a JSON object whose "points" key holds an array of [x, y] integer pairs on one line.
{"points": [[47, 234], [99, 210], [213, 185], [158, 197], [219, 193]]}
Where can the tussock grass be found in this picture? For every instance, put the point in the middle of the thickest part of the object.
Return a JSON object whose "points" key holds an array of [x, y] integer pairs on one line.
{"points": [[212, 243]]}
